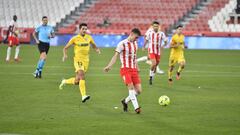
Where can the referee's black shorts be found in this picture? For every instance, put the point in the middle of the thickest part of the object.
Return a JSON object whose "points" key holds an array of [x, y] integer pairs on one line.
{"points": [[43, 47]]}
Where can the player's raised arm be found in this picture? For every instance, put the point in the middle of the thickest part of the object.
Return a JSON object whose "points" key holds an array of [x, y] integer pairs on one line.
{"points": [[112, 62]]}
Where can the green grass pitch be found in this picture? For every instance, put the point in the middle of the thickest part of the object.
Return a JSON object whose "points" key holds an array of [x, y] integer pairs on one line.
{"points": [[206, 101]]}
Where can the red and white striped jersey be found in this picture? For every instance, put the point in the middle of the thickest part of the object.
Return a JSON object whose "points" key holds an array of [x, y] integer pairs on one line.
{"points": [[128, 53], [155, 40], [13, 24]]}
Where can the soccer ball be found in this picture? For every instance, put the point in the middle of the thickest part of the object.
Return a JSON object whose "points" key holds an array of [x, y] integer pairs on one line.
{"points": [[164, 100], [17, 32]]}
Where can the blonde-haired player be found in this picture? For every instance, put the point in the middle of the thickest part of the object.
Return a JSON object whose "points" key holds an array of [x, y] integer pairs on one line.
{"points": [[81, 43], [177, 46]]}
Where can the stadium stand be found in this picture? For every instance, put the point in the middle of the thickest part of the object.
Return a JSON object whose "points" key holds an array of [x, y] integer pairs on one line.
{"points": [[30, 12], [212, 20], [124, 15]]}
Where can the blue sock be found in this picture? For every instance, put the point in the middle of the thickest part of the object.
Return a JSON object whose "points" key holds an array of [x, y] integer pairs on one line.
{"points": [[42, 62], [38, 66]]}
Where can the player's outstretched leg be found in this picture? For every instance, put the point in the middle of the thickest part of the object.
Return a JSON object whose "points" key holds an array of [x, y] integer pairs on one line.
{"points": [[67, 81], [133, 98], [144, 58]]}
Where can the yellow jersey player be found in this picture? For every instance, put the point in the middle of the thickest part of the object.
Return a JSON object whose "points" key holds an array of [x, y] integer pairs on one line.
{"points": [[81, 43], [177, 46]]}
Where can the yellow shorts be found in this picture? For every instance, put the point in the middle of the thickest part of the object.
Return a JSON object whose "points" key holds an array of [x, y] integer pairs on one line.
{"points": [[176, 59], [81, 65]]}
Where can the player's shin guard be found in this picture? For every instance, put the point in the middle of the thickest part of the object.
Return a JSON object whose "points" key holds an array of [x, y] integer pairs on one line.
{"points": [[17, 50], [127, 99], [41, 64], [151, 73], [70, 81], [133, 99], [170, 73], [82, 87], [144, 58], [180, 69], [8, 53]]}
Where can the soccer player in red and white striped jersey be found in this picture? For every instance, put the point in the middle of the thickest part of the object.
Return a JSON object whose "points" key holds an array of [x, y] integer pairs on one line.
{"points": [[154, 38], [127, 49], [12, 37]]}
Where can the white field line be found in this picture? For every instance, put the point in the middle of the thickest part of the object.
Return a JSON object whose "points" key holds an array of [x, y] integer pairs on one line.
{"points": [[114, 74], [202, 65]]}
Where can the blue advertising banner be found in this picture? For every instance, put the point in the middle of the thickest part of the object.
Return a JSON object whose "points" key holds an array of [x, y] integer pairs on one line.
{"points": [[232, 43]]}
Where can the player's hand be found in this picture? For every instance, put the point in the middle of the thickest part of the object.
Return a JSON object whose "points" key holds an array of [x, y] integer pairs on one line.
{"points": [[64, 58], [106, 69], [37, 41], [98, 51]]}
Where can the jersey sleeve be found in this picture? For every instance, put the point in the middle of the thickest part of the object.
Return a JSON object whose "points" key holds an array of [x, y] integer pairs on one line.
{"points": [[119, 47], [52, 30], [71, 41], [164, 37], [147, 35], [37, 29], [91, 40]]}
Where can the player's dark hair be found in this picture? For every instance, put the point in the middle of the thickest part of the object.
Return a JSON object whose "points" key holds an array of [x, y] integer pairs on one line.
{"points": [[179, 26], [155, 22], [82, 24], [136, 31], [44, 17], [15, 17]]}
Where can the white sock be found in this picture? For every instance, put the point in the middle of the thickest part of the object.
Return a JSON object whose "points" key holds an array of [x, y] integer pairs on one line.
{"points": [[133, 99], [17, 51], [151, 73], [8, 53], [158, 69], [144, 58], [127, 99]]}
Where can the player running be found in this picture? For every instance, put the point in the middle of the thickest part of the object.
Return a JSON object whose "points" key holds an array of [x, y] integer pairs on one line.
{"points": [[45, 32], [154, 39], [149, 62], [81, 43], [12, 37], [127, 49], [177, 46]]}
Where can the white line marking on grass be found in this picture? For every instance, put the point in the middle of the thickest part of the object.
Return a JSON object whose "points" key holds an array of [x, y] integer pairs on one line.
{"points": [[204, 65], [9, 134], [218, 74]]}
